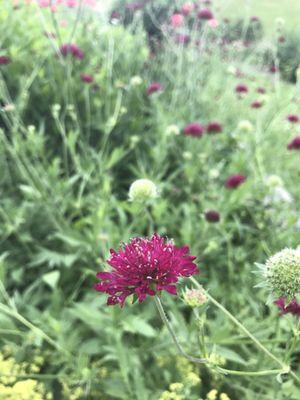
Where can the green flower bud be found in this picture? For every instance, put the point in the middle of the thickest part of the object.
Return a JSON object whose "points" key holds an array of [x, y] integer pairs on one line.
{"points": [[195, 297], [142, 190], [283, 273], [245, 126]]}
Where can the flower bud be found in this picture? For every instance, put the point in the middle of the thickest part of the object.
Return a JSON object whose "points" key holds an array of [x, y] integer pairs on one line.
{"points": [[245, 126], [142, 190], [136, 81], [283, 273], [195, 297]]}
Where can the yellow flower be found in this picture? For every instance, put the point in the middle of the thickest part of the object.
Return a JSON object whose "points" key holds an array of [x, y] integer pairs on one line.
{"points": [[176, 387], [224, 396], [192, 379], [212, 395]]}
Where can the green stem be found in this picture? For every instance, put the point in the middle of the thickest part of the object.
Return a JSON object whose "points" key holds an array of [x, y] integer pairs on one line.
{"points": [[284, 368], [252, 373], [173, 335]]}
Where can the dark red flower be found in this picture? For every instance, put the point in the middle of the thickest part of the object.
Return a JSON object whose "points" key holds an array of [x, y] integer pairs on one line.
{"points": [[212, 216], [154, 87], [254, 19], [292, 308], [293, 118], [205, 13], [194, 129], [241, 88], [261, 90], [4, 60], [73, 49], [273, 69], [234, 181], [214, 127], [281, 39], [294, 144], [256, 104], [87, 78], [144, 267]]}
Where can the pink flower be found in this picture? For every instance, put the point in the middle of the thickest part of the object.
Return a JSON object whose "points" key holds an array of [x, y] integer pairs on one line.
{"points": [[44, 3], [256, 104], [194, 129], [234, 181], [73, 49], [241, 88], [213, 23], [293, 307], [187, 8], [293, 118], [205, 14], [154, 87], [4, 60], [71, 3], [87, 78], [214, 127], [294, 144], [212, 216], [176, 20], [144, 267]]}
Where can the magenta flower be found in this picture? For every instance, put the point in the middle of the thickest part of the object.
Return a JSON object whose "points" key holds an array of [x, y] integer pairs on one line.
{"points": [[154, 87], [256, 104], [293, 118], [144, 267], [212, 216], [292, 308], [194, 129], [234, 181], [241, 88], [214, 127], [73, 49], [294, 144], [4, 60], [205, 14], [261, 90], [87, 78]]}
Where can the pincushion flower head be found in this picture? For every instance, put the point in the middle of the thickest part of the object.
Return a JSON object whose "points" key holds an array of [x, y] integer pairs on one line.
{"points": [[73, 49], [194, 129], [293, 118], [205, 14], [154, 87], [87, 78], [245, 126], [294, 144], [241, 88], [143, 267], [290, 308], [234, 181], [214, 127], [4, 60], [281, 274], [142, 190]]}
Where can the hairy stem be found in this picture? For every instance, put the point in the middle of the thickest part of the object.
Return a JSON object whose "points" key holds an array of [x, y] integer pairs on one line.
{"points": [[172, 333]]}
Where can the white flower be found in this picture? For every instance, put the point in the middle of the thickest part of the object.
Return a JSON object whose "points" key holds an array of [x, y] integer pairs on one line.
{"points": [[142, 190]]}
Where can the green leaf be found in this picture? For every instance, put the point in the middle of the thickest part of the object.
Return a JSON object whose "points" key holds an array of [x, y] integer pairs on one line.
{"points": [[51, 278], [137, 325]]}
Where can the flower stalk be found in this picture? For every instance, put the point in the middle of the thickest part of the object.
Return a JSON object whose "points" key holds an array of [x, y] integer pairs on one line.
{"points": [[173, 335]]}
